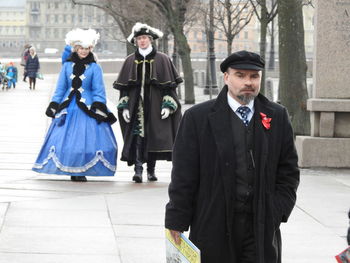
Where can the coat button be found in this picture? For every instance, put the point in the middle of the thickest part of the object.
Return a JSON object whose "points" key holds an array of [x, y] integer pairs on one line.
{"points": [[227, 164]]}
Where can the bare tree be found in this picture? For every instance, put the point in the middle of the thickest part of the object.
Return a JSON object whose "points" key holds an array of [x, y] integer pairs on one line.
{"points": [[208, 15], [268, 11], [232, 18], [308, 2], [175, 11], [119, 10], [292, 83]]}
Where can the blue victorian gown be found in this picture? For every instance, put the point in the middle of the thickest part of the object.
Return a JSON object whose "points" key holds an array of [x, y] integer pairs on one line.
{"points": [[80, 140]]}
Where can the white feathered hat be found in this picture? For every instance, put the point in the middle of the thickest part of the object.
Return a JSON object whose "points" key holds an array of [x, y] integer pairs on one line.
{"points": [[143, 29], [85, 38]]}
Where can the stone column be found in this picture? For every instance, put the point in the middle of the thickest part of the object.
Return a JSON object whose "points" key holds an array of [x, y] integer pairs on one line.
{"points": [[329, 143]]}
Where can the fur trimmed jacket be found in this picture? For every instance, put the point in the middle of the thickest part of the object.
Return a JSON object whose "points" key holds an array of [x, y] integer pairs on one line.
{"points": [[82, 79]]}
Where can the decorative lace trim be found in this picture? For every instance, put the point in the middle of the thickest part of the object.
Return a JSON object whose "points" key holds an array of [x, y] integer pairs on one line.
{"points": [[98, 157], [140, 121], [64, 111]]}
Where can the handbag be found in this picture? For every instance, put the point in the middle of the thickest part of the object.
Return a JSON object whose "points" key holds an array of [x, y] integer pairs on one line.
{"points": [[39, 75]]}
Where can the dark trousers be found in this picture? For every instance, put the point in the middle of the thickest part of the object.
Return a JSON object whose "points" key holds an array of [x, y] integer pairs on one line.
{"points": [[243, 234], [32, 81], [139, 154]]}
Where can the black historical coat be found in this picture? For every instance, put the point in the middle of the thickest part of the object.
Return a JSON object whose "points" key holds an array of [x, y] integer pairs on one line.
{"points": [[202, 187], [161, 78]]}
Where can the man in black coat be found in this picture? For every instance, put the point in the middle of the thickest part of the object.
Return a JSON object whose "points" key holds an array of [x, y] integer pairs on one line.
{"points": [[148, 108], [235, 173]]}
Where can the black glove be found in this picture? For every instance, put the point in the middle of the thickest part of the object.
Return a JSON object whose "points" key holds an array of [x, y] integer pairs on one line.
{"points": [[52, 109]]}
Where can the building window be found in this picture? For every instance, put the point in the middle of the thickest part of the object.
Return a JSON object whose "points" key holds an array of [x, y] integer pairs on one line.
{"points": [[47, 18], [35, 18], [73, 19], [80, 18], [56, 18], [55, 33], [64, 18], [56, 5], [245, 34], [48, 32], [35, 6]]}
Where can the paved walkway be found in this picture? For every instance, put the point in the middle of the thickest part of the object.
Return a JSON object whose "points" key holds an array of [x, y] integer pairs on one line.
{"points": [[49, 219]]}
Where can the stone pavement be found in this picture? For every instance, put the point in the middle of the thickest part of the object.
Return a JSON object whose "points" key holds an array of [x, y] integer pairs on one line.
{"points": [[49, 219]]}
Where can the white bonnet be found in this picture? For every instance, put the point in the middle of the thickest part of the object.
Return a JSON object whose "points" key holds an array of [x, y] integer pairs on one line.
{"points": [[85, 38]]}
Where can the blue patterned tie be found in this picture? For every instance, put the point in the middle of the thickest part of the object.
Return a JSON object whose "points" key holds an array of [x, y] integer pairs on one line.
{"points": [[244, 111]]}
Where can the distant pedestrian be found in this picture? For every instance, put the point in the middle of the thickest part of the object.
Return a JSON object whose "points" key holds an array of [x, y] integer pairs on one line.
{"points": [[80, 141], [32, 67], [3, 81], [148, 108], [235, 170], [11, 75], [24, 58]]}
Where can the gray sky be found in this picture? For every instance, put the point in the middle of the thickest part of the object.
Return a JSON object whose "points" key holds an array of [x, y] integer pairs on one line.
{"points": [[9, 3]]}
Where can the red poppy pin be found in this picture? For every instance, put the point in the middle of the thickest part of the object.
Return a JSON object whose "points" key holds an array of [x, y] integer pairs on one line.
{"points": [[265, 121]]}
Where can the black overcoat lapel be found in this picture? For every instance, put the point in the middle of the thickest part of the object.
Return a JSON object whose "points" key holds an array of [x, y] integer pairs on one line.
{"points": [[220, 123], [262, 141]]}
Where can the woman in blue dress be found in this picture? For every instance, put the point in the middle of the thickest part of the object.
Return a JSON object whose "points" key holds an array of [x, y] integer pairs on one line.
{"points": [[80, 141]]}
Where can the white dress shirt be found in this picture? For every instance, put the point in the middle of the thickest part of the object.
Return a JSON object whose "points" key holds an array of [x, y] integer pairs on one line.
{"points": [[234, 105]]}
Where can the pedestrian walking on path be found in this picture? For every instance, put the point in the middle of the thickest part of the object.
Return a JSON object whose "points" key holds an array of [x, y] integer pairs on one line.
{"points": [[32, 67], [24, 58], [11, 75], [235, 172], [148, 108], [80, 141]]}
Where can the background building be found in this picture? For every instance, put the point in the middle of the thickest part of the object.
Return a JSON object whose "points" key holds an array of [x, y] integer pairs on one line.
{"points": [[12, 25], [49, 20]]}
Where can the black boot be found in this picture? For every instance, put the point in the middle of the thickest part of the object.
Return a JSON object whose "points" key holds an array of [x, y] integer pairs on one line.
{"points": [[78, 178], [138, 173], [138, 161], [150, 171]]}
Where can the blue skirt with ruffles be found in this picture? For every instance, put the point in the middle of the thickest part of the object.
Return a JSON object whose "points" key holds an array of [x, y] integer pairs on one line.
{"points": [[77, 145]]}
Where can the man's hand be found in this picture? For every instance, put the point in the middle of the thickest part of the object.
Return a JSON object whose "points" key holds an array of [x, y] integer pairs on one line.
{"points": [[176, 236], [165, 113], [126, 115]]}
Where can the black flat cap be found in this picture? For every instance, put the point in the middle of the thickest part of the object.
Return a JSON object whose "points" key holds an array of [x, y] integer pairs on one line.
{"points": [[243, 60]]}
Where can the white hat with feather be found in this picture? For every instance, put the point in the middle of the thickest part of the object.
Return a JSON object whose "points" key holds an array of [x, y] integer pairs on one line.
{"points": [[143, 29], [85, 38]]}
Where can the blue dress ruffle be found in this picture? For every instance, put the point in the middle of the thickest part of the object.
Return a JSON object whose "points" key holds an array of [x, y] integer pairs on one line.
{"points": [[77, 145]]}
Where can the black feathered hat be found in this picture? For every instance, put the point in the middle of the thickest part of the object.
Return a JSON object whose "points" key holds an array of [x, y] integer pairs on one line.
{"points": [[143, 29]]}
